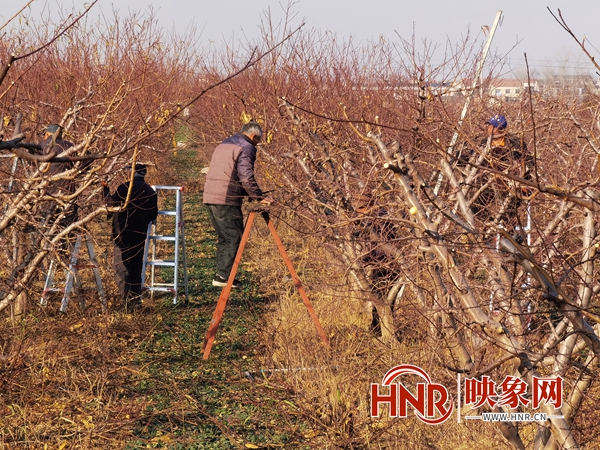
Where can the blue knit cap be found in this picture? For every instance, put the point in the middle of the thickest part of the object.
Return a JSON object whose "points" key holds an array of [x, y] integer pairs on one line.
{"points": [[498, 121]]}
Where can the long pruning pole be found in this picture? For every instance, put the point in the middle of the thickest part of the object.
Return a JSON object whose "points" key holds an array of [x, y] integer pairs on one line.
{"points": [[463, 114]]}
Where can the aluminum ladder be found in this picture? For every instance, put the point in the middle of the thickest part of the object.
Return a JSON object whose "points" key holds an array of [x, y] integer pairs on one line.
{"points": [[155, 235], [73, 276]]}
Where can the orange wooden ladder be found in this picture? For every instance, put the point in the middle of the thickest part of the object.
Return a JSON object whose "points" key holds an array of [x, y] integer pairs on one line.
{"points": [[219, 310]]}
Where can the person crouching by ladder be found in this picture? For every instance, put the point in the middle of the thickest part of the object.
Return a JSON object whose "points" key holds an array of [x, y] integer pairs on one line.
{"points": [[129, 229]]}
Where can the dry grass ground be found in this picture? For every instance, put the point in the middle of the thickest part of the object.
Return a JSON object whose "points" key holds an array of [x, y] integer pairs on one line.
{"points": [[331, 386]]}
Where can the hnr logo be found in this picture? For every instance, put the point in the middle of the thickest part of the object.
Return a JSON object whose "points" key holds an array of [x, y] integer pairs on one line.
{"points": [[431, 402]]}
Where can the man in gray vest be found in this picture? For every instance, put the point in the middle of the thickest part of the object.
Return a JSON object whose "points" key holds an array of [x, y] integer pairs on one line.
{"points": [[230, 178]]}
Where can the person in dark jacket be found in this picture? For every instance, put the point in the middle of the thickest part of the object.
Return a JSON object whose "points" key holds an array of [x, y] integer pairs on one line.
{"points": [[508, 154], [130, 227], [230, 178]]}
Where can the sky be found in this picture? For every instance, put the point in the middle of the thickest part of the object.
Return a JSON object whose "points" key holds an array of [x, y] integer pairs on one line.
{"points": [[526, 25]]}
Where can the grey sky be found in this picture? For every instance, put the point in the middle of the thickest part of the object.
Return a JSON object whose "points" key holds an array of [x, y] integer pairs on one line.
{"points": [[541, 37]]}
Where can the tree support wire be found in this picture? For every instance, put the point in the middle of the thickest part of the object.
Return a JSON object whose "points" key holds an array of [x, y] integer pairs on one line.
{"points": [[219, 310]]}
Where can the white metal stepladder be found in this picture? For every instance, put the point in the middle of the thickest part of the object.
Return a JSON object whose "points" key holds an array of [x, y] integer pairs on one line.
{"points": [[73, 275], [151, 250]]}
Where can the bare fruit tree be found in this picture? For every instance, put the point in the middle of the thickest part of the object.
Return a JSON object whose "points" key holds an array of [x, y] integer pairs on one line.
{"points": [[485, 253]]}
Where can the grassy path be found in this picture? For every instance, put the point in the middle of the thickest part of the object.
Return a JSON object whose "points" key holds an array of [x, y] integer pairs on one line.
{"points": [[210, 404]]}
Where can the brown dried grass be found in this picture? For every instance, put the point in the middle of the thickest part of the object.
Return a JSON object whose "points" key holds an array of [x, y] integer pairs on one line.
{"points": [[330, 386]]}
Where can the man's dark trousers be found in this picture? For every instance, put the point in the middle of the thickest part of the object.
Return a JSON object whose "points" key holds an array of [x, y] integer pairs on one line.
{"points": [[129, 261], [228, 222]]}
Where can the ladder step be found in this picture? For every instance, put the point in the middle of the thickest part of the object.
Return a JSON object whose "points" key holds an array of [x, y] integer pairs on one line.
{"points": [[161, 262], [168, 213], [159, 289], [46, 291], [158, 237]]}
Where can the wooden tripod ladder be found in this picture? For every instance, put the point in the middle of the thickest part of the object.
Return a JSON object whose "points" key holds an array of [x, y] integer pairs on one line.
{"points": [[218, 314]]}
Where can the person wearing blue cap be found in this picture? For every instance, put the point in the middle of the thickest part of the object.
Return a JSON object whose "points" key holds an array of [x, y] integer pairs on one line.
{"points": [[129, 230], [506, 151], [501, 198]]}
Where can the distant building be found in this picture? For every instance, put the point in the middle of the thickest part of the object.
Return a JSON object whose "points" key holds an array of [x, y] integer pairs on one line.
{"points": [[501, 89], [431, 89], [506, 89], [571, 85], [452, 88]]}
